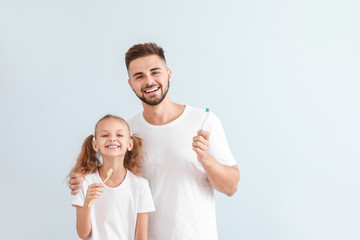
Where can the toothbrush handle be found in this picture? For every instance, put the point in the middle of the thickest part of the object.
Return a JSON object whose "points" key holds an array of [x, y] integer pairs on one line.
{"points": [[91, 203], [93, 200]]}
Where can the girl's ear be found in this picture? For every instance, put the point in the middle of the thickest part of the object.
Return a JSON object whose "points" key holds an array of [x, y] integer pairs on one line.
{"points": [[131, 145], [95, 146]]}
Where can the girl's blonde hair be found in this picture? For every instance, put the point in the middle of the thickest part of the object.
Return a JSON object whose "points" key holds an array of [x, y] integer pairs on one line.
{"points": [[87, 161]]}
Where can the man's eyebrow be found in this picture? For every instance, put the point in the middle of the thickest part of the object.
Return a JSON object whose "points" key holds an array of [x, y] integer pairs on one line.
{"points": [[153, 69], [138, 73]]}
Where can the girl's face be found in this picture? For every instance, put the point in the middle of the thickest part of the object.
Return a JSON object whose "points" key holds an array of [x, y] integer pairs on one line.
{"points": [[112, 138]]}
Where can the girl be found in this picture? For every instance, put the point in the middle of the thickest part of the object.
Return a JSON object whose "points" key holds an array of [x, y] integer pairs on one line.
{"points": [[117, 209]]}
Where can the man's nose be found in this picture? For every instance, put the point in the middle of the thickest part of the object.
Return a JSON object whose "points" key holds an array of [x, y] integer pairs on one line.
{"points": [[149, 81]]}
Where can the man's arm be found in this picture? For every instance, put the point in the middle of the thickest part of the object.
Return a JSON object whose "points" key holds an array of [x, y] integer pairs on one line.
{"points": [[221, 177]]}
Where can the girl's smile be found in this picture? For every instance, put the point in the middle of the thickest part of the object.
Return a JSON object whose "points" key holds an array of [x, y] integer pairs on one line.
{"points": [[113, 146]]}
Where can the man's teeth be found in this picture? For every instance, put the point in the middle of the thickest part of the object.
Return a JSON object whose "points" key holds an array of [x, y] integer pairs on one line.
{"points": [[151, 90]]}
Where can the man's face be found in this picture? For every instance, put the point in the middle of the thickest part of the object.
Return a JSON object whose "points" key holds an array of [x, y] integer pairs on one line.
{"points": [[149, 78]]}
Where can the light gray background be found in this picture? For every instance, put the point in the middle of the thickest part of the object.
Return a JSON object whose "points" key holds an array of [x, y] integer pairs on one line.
{"points": [[283, 76]]}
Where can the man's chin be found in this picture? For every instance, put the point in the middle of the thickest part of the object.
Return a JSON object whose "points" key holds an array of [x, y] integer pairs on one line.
{"points": [[152, 102], [155, 101]]}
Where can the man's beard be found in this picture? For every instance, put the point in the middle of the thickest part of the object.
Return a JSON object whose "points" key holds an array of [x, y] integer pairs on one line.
{"points": [[156, 101]]}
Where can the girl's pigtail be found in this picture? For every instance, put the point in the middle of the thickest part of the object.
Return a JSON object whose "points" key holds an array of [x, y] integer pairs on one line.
{"points": [[133, 159], [87, 162]]}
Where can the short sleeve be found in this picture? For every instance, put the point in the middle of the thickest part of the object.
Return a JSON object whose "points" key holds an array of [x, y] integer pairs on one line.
{"points": [[219, 147], [146, 203]]}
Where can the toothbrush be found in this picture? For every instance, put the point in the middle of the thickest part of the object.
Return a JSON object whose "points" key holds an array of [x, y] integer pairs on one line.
{"points": [[207, 110], [108, 176]]}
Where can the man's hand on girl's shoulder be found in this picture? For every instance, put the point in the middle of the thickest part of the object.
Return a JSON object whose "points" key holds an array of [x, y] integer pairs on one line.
{"points": [[75, 182]]}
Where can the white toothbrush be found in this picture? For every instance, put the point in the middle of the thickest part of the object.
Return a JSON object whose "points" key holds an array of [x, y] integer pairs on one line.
{"points": [[207, 110]]}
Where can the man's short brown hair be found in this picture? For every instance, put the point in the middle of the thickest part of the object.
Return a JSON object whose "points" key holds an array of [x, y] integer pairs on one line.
{"points": [[143, 50]]}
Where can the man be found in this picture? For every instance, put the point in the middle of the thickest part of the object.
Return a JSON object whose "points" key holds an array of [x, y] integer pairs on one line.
{"points": [[182, 163]]}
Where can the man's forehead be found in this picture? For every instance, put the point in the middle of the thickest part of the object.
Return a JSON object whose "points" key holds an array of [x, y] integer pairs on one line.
{"points": [[146, 63]]}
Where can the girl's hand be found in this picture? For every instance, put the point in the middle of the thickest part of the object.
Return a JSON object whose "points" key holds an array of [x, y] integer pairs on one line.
{"points": [[93, 192]]}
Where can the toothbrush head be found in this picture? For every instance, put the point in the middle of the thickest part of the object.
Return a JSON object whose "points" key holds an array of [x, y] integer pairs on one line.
{"points": [[207, 111], [110, 172]]}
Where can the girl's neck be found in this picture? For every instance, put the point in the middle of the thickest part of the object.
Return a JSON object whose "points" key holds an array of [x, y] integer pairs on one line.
{"points": [[118, 174]]}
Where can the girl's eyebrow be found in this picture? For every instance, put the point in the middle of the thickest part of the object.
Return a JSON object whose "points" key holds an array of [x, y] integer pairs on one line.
{"points": [[105, 130]]}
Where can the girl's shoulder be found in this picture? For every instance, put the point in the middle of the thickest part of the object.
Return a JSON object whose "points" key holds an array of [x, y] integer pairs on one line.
{"points": [[137, 179], [91, 178]]}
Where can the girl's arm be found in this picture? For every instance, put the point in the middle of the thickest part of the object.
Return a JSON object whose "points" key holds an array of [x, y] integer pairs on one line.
{"points": [[141, 226], [83, 214], [83, 221]]}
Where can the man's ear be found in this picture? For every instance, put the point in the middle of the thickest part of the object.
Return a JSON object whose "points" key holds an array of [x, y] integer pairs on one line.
{"points": [[95, 146], [169, 74], [129, 81]]}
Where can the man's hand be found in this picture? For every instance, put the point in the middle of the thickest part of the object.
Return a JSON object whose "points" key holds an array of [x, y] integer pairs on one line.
{"points": [[201, 146], [75, 182]]}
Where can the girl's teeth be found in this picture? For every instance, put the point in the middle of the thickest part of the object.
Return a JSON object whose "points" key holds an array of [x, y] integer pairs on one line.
{"points": [[112, 146]]}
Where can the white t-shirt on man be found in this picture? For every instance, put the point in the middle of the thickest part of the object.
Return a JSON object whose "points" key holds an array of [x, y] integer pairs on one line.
{"points": [[183, 196], [114, 214]]}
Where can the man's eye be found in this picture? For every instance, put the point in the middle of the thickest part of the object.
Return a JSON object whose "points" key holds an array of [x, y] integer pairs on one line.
{"points": [[156, 72], [138, 77]]}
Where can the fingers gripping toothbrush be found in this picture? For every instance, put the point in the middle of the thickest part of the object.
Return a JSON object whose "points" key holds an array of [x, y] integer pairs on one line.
{"points": [[108, 176]]}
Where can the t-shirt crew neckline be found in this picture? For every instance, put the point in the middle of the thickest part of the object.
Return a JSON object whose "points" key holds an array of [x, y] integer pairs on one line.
{"points": [[172, 123], [113, 188]]}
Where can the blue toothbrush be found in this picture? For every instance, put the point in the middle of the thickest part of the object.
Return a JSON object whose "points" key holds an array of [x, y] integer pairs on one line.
{"points": [[207, 110]]}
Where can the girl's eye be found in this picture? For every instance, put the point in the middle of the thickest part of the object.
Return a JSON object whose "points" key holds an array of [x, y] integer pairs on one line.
{"points": [[119, 135], [104, 135]]}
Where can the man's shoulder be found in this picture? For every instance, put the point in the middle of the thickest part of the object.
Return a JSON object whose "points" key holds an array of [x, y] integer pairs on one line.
{"points": [[134, 120], [194, 110], [199, 112]]}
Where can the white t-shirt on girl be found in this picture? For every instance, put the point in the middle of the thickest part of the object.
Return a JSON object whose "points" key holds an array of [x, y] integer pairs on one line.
{"points": [[113, 215]]}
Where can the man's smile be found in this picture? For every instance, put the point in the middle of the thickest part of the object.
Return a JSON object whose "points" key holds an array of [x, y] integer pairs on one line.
{"points": [[151, 90]]}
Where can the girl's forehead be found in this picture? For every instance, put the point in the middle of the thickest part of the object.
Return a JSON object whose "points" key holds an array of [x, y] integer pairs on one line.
{"points": [[111, 124]]}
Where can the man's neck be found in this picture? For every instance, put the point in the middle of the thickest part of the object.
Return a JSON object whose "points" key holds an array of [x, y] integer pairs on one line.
{"points": [[163, 113]]}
